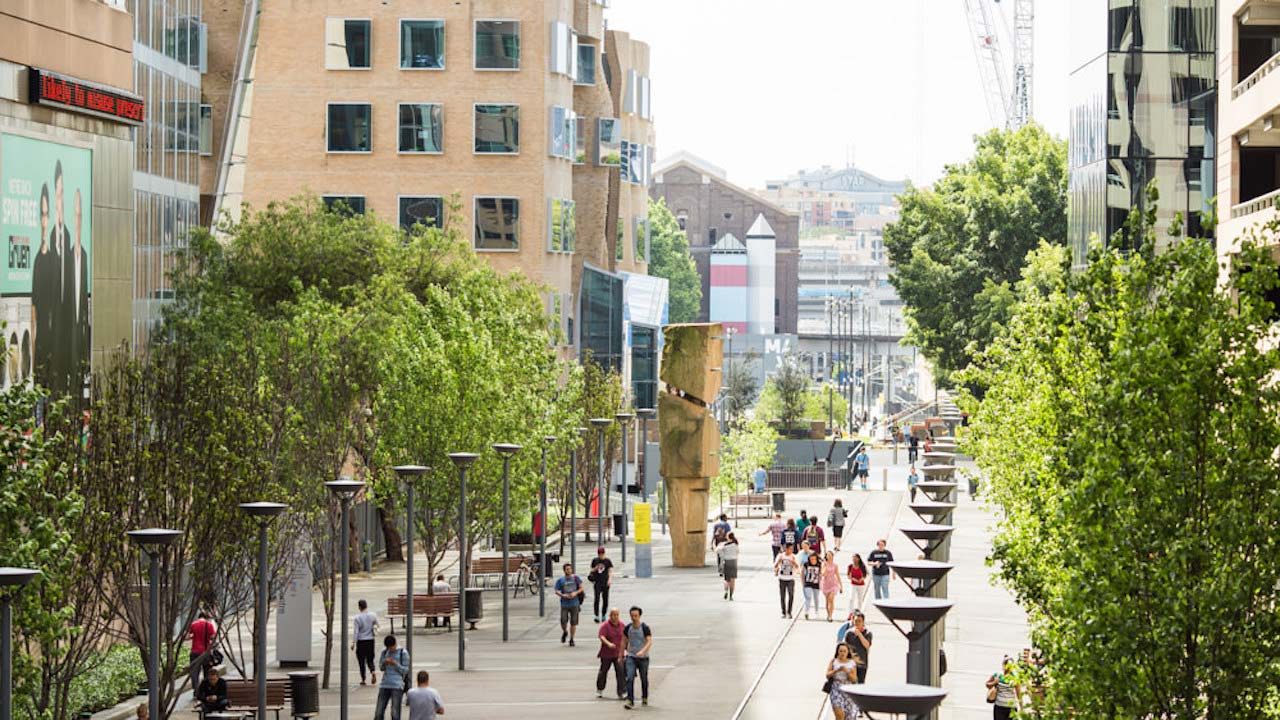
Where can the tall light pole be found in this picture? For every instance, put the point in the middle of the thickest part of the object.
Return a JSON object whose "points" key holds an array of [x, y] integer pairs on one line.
{"points": [[542, 536], [153, 541], [345, 491], [645, 415], [600, 424], [462, 461], [409, 475], [263, 513], [573, 501], [624, 419], [12, 580], [506, 450]]}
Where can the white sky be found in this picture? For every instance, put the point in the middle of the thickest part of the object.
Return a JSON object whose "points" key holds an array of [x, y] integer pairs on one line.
{"points": [[766, 87]]}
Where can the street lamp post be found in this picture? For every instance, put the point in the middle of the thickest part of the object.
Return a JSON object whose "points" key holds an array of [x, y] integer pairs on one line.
{"points": [[645, 415], [506, 450], [345, 491], [624, 419], [153, 541], [263, 513], [12, 580], [830, 377], [600, 424], [408, 475], [542, 536], [573, 501], [462, 461]]}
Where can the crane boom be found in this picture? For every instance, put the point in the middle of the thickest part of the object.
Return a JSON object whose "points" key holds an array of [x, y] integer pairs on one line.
{"points": [[1020, 109], [1006, 89]]}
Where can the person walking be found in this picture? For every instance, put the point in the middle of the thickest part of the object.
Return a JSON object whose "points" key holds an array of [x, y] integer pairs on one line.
{"points": [[791, 536], [203, 633], [858, 638], [719, 532], [857, 574], [727, 551], [811, 575], [394, 662], [814, 536], [639, 642], [1002, 691], [601, 579], [803, 555], [613, 641], [835, 520], [880, 559], [424, 702], [775, 530], [364, 625], [841, 671], [830, 583], [803, 522], [862, 462], [785, 568], [913, 448], [913, 479], [570, 591]]}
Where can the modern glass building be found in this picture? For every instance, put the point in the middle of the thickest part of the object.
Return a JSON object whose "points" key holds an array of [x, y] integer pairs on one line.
{"points": [[1143, 108], [169, 56]]}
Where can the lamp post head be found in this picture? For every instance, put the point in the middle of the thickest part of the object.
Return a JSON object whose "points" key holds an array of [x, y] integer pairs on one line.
{"points": [[345, 488], [152, 539], [463, 459], [408, 472], [549, 439], [646, 413], [12, 577], [263, 511], [583, 431], [601, 423], [506, 449], [624, 417]]}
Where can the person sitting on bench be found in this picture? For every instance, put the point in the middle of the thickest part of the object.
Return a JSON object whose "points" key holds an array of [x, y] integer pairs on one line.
{"points": [[213, 692]]}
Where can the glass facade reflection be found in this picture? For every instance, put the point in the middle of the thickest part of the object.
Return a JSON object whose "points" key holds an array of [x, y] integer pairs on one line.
{"points": [[1143, 109], [600, 318], [168, 57]]}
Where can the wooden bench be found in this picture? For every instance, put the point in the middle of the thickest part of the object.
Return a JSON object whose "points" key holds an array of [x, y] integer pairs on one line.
{"points": [[486, 572], [242, 696], [588, 526], [426, 607], [751, 501]]}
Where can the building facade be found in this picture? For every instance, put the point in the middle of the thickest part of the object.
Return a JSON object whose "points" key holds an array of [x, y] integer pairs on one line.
{"points": [[1249, 144], [67, 119], [707, 206], [836, 198], [1143, 108]]}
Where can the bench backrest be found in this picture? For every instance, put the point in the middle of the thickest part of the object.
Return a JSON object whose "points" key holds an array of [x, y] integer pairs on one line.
{"points": [[244, 693], [481, 566], [422, 604]]}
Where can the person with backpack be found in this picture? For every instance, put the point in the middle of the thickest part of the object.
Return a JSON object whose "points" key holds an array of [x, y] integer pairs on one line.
{"points": [[913, 448], [727, 552], [570, 591], [611, 654], [394, 662], [719, 532], [835, 521], [639, 642], [203, 633], [862, 464], [814, 536]]}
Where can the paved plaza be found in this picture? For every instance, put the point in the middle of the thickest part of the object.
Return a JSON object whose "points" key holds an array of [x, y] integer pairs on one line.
{"points": [[712, 658]]}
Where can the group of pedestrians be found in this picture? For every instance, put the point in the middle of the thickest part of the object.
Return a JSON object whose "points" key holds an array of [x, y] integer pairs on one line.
{"points": [[424, 702]]}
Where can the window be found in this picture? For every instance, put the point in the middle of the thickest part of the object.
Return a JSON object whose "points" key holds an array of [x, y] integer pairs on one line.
{"points": [[562, 226], [620, 244], [643, 97], [497, 223], [427, 211], [608, 142], [421, 128], [350, 127], [586, 64], [633, 157], [206, 130], [561, 132], [422, 44], [564, 50], [497, 45], [641, 226], [579, 140], [497, 129], [629, 92], [346, 44], [344, 204]]}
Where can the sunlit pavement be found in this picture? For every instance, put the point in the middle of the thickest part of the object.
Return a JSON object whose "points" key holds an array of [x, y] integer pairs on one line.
{"points": [[711, 657]]}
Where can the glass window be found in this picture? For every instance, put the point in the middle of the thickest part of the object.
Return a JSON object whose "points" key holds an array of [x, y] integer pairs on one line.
{"points": [[586, 64], [344, 204], [421, 128], [206, 130], [600, 317], [562, 226], [347, 43], [570, 226], [642, 239], [1147, 104], [350, 127], [497, 45], [422, 44], [427, 211], [561, 45], [643, 98], [630, 92], [497, 129], [579, 140], [497, 223], [620, 243], [561, 130], [608, 142]]}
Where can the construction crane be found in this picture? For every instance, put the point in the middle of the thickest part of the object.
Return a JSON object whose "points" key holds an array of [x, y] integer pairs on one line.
{"points": [[1006, 87]]}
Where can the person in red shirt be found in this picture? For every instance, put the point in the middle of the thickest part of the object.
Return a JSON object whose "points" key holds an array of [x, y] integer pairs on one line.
{"points": [[202, 633], [857, 573], [612, 649]]}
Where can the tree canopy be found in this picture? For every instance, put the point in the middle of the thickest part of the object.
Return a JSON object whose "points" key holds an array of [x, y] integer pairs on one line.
{"points": [[670, 259]]}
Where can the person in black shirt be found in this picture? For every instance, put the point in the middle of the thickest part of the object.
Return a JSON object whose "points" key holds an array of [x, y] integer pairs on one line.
{"points": [[879, 560], [601, 577], [791, 536], [859, 638], [213, 692]]}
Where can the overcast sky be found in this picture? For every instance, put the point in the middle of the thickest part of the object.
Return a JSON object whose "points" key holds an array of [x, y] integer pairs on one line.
{"points": [[766, 87]]}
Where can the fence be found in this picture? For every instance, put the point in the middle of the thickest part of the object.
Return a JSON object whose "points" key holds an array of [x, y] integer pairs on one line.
{"points": [[805, 477]]}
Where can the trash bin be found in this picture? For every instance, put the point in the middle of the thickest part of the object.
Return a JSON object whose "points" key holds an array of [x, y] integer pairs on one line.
{"points": [[304, 688], [619, 529], [548, 563], [474, 606], [778, 500]]}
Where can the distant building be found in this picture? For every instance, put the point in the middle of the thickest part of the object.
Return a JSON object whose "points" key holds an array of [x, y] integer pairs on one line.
{"points": [[835, 198], [708, 207]]}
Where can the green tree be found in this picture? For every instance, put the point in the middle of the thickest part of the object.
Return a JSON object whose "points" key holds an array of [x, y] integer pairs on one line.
{"points": [[1127, 437], [745, 448], [786, 394], [670, 259], [827, 400], [740, 391], [960, 245]]}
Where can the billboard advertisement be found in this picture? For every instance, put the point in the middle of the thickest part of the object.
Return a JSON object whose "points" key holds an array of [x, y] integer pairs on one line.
{"points": [[46, 200]]}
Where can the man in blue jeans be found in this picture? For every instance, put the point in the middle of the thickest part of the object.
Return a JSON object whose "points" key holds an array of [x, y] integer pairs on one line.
{"points": [[879, 560], [639, 640], [394, 663]]}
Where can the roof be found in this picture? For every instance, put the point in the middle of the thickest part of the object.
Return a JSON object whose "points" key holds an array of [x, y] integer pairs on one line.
{"points": [[761, 229], [729, 244], [684, 157], [698, 165], [848, 179]]}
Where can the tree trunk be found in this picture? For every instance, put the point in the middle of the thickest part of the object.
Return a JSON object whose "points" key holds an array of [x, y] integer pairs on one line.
{"points": [[392, 535]]}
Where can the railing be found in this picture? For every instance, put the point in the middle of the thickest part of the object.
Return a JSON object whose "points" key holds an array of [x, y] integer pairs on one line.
{"points": [[1256, 76], [1258, 204], [806, 477]]}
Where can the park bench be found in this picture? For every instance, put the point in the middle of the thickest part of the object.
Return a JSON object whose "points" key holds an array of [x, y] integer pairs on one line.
{"points": [[425, 607], [588, 526], [486, 572], [751, 501], [242, 696]]}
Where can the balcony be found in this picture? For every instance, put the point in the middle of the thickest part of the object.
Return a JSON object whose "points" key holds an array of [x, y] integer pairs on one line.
{"points": [[1259, 182]]}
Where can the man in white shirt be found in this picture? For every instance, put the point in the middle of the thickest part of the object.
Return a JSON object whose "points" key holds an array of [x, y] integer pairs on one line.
{"points": [[424, 702], [365, 625], [441, 587]]}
